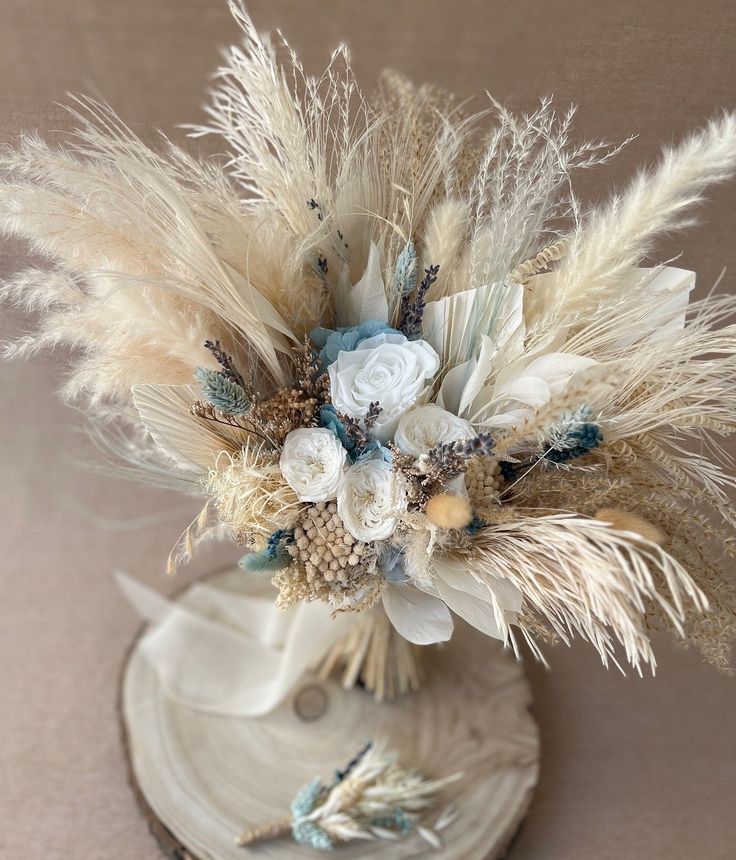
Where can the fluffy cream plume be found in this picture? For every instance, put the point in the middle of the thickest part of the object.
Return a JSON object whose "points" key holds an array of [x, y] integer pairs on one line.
{"points": [[616, 236], [251, 495], [639, 489], [145, 284], [519, 193], [339, 171], [279, 141], [583, 576], [444, 238], [421, 144], [673, 387]]}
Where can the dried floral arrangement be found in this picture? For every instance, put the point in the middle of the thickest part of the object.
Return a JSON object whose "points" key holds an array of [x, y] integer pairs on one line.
{"points": [[402, 366], [372, 797]]}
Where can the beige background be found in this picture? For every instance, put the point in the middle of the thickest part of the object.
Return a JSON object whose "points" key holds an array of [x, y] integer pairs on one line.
{"points": [[632, 768]]}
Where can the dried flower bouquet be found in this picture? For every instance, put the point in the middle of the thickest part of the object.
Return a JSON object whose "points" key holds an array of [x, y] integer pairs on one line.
{"points": [[401, 365]]}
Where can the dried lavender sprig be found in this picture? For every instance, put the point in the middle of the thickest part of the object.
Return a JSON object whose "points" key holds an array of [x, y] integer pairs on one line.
{"points": [[229, 371], [359, 432], [478, 446], [449, 459], [353, 763], [374, 410], [412, 310]]}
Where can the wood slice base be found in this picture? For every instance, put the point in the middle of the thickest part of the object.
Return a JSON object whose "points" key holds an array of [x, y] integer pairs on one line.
{"points": [[203, 779]]}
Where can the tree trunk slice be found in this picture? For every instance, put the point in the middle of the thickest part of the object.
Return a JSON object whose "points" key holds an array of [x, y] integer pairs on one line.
{"points": [[201, 780]]}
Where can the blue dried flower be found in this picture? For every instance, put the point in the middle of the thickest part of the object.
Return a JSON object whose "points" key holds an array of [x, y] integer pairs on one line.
{"points": [[475, 525], [306, 798], [508, 470], [262, 562], [399, 821], [373, 450], [575, 436], [277, 542], [346, 338], [312, 835]]}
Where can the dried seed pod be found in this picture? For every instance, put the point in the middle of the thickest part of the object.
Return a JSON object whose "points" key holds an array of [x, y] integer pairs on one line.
{"points": [[328, 563]]}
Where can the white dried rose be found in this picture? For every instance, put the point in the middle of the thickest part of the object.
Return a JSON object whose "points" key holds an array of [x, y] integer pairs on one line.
{"points": [[388, 369], [422, 428], [370, 500], [313, 462]]}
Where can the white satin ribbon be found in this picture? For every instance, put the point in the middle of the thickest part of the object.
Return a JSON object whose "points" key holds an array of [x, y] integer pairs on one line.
{"points": [[231, 653]]}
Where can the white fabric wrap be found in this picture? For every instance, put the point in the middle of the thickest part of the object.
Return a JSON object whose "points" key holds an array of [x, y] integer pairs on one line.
{"points": [[235, 654]]}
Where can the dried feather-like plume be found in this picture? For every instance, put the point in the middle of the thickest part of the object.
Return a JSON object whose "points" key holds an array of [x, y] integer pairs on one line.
{"points": [[140, 283], [583, 576], [251, 494], [618, 235]]}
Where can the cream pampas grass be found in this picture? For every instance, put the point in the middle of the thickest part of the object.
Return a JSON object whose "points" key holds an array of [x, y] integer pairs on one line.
{"points": [[625, 521], [618, 235]]}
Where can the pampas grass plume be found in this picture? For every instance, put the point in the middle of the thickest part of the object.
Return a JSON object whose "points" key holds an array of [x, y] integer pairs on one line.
{"points": [[448, 511]]}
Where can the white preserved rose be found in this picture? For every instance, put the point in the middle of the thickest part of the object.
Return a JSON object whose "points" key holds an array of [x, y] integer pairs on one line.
{"points": [[422, 428], [388, 369], [370, 500], [313, 462]]}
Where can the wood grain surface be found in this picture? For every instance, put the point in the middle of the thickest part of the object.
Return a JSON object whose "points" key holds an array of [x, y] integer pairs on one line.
{"points": [[202, 778]]}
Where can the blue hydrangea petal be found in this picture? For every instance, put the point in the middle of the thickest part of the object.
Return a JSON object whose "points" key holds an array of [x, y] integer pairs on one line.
{"points": [[319, 336], [346, 338], [375, 451], [328, 418]]}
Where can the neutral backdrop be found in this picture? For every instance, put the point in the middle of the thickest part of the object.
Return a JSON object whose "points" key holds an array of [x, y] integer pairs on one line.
{"points": [[632, 768]]}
